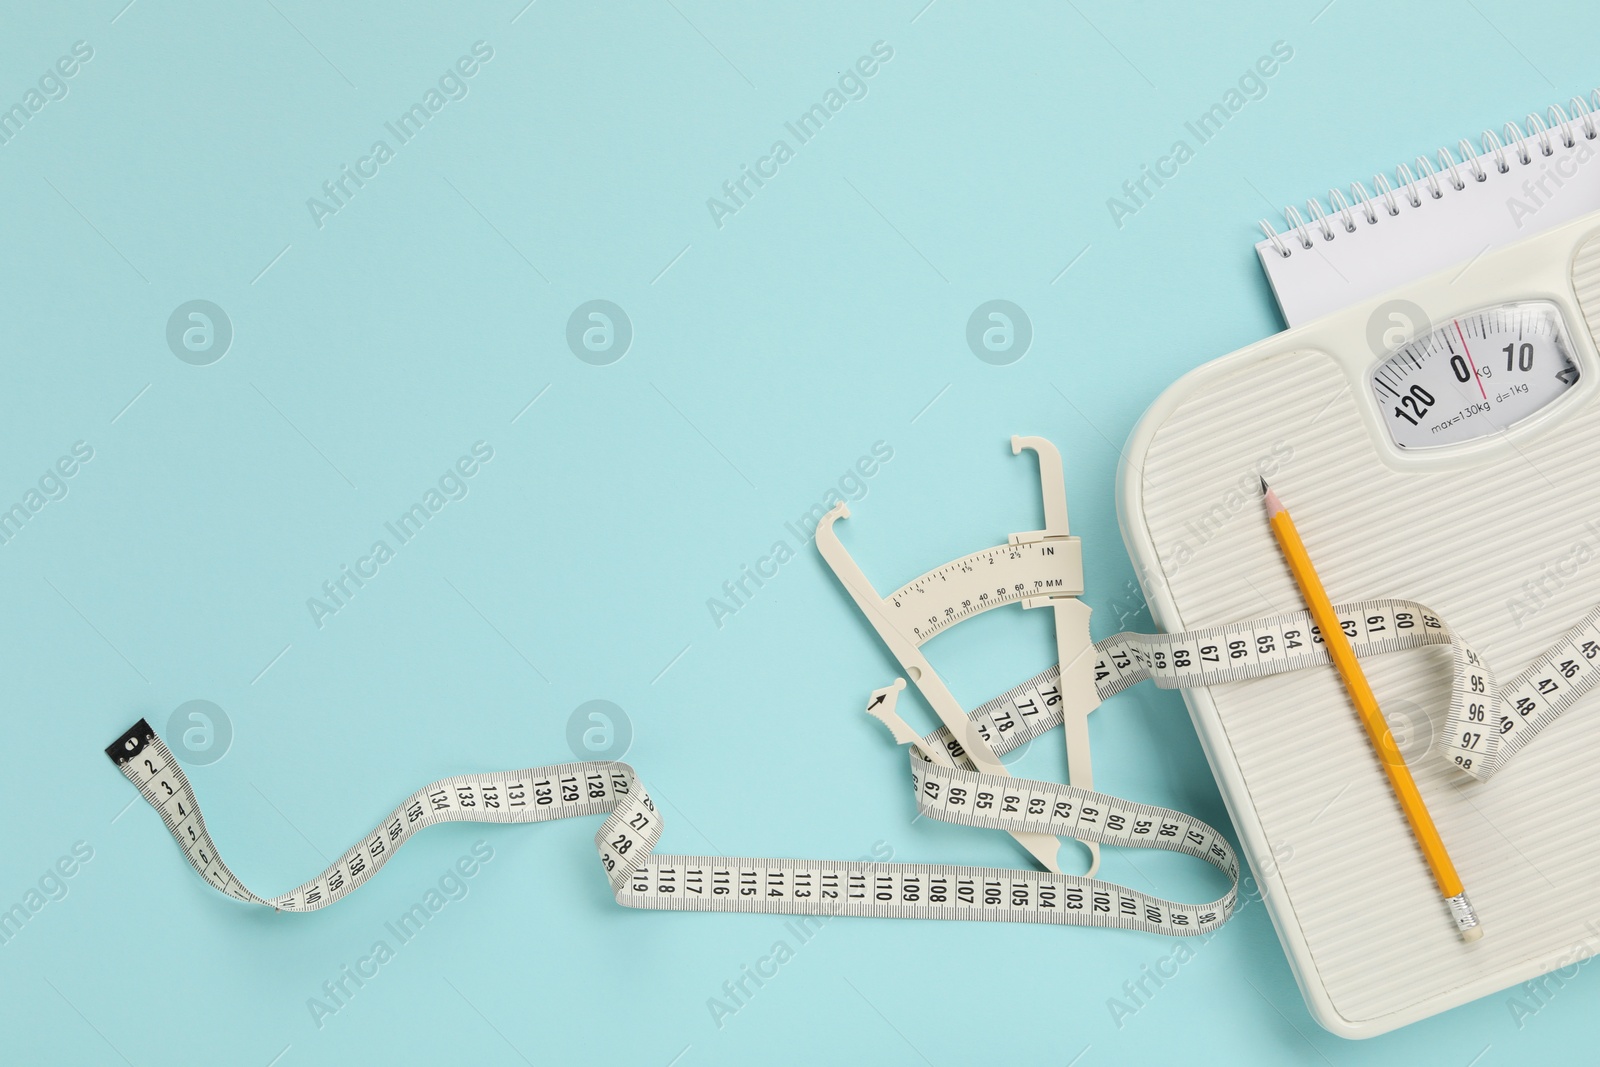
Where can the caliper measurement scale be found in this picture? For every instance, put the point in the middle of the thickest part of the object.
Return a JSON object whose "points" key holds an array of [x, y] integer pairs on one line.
{"points": [[1481, 373]]}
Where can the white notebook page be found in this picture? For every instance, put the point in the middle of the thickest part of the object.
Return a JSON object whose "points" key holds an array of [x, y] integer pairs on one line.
{"points": [[1429, 224]]}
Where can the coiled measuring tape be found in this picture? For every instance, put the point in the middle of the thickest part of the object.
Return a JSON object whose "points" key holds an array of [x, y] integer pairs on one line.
{"points": [[1486, 725]]}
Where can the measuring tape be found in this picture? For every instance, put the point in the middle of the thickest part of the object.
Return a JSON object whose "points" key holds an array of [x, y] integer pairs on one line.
{"points": [[641, 879], [1486, 725]]}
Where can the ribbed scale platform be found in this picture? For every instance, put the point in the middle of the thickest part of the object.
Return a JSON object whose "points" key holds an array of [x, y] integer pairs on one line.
{"points": [[1461, 541]]}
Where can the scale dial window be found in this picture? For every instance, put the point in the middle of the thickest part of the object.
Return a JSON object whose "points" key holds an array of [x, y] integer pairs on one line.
{"points": [[1475, 376]]}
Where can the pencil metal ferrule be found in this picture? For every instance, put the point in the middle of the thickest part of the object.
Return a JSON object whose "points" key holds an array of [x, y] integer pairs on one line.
{"points": [[1462, 912]]}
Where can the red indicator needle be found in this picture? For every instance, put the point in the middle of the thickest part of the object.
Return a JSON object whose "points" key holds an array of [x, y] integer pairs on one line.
{"points": [[1470, 363]]}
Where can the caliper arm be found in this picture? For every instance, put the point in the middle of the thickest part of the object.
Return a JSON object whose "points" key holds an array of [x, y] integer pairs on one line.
{"points": [[1074, 647], [1043, 847]]}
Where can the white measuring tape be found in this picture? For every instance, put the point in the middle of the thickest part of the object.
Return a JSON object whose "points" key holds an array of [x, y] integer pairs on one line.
{"points": [[1487, 723], [1485, 726]]}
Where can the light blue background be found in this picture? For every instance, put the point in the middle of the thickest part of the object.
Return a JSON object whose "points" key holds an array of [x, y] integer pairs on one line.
{"points": [[828, 314]]}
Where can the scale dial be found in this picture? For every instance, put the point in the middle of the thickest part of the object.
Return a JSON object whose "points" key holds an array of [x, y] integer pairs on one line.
{"points": [[1475, 376]]}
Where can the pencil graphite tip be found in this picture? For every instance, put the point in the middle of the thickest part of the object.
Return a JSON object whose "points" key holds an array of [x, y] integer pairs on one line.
{"points": [[1269, 499]]}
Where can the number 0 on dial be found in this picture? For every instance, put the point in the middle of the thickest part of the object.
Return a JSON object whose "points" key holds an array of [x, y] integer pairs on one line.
{"points": [[1477, 375]]}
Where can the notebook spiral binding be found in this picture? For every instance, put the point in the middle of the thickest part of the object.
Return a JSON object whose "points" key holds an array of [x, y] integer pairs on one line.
{"points": [[1411, 184]]}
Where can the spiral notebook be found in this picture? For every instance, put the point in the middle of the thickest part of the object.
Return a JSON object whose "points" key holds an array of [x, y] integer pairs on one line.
{"points": [[1435, 213]]}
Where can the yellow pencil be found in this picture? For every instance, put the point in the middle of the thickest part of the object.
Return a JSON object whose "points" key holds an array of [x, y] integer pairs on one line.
{"points": [[1355, 683]]}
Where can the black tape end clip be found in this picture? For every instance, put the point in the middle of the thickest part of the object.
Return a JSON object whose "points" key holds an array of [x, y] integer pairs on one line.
{"points": [[131, 743]]}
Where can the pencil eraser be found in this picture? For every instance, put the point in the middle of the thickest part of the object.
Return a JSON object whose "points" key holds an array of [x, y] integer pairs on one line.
{"points": [[1472, 934]]}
